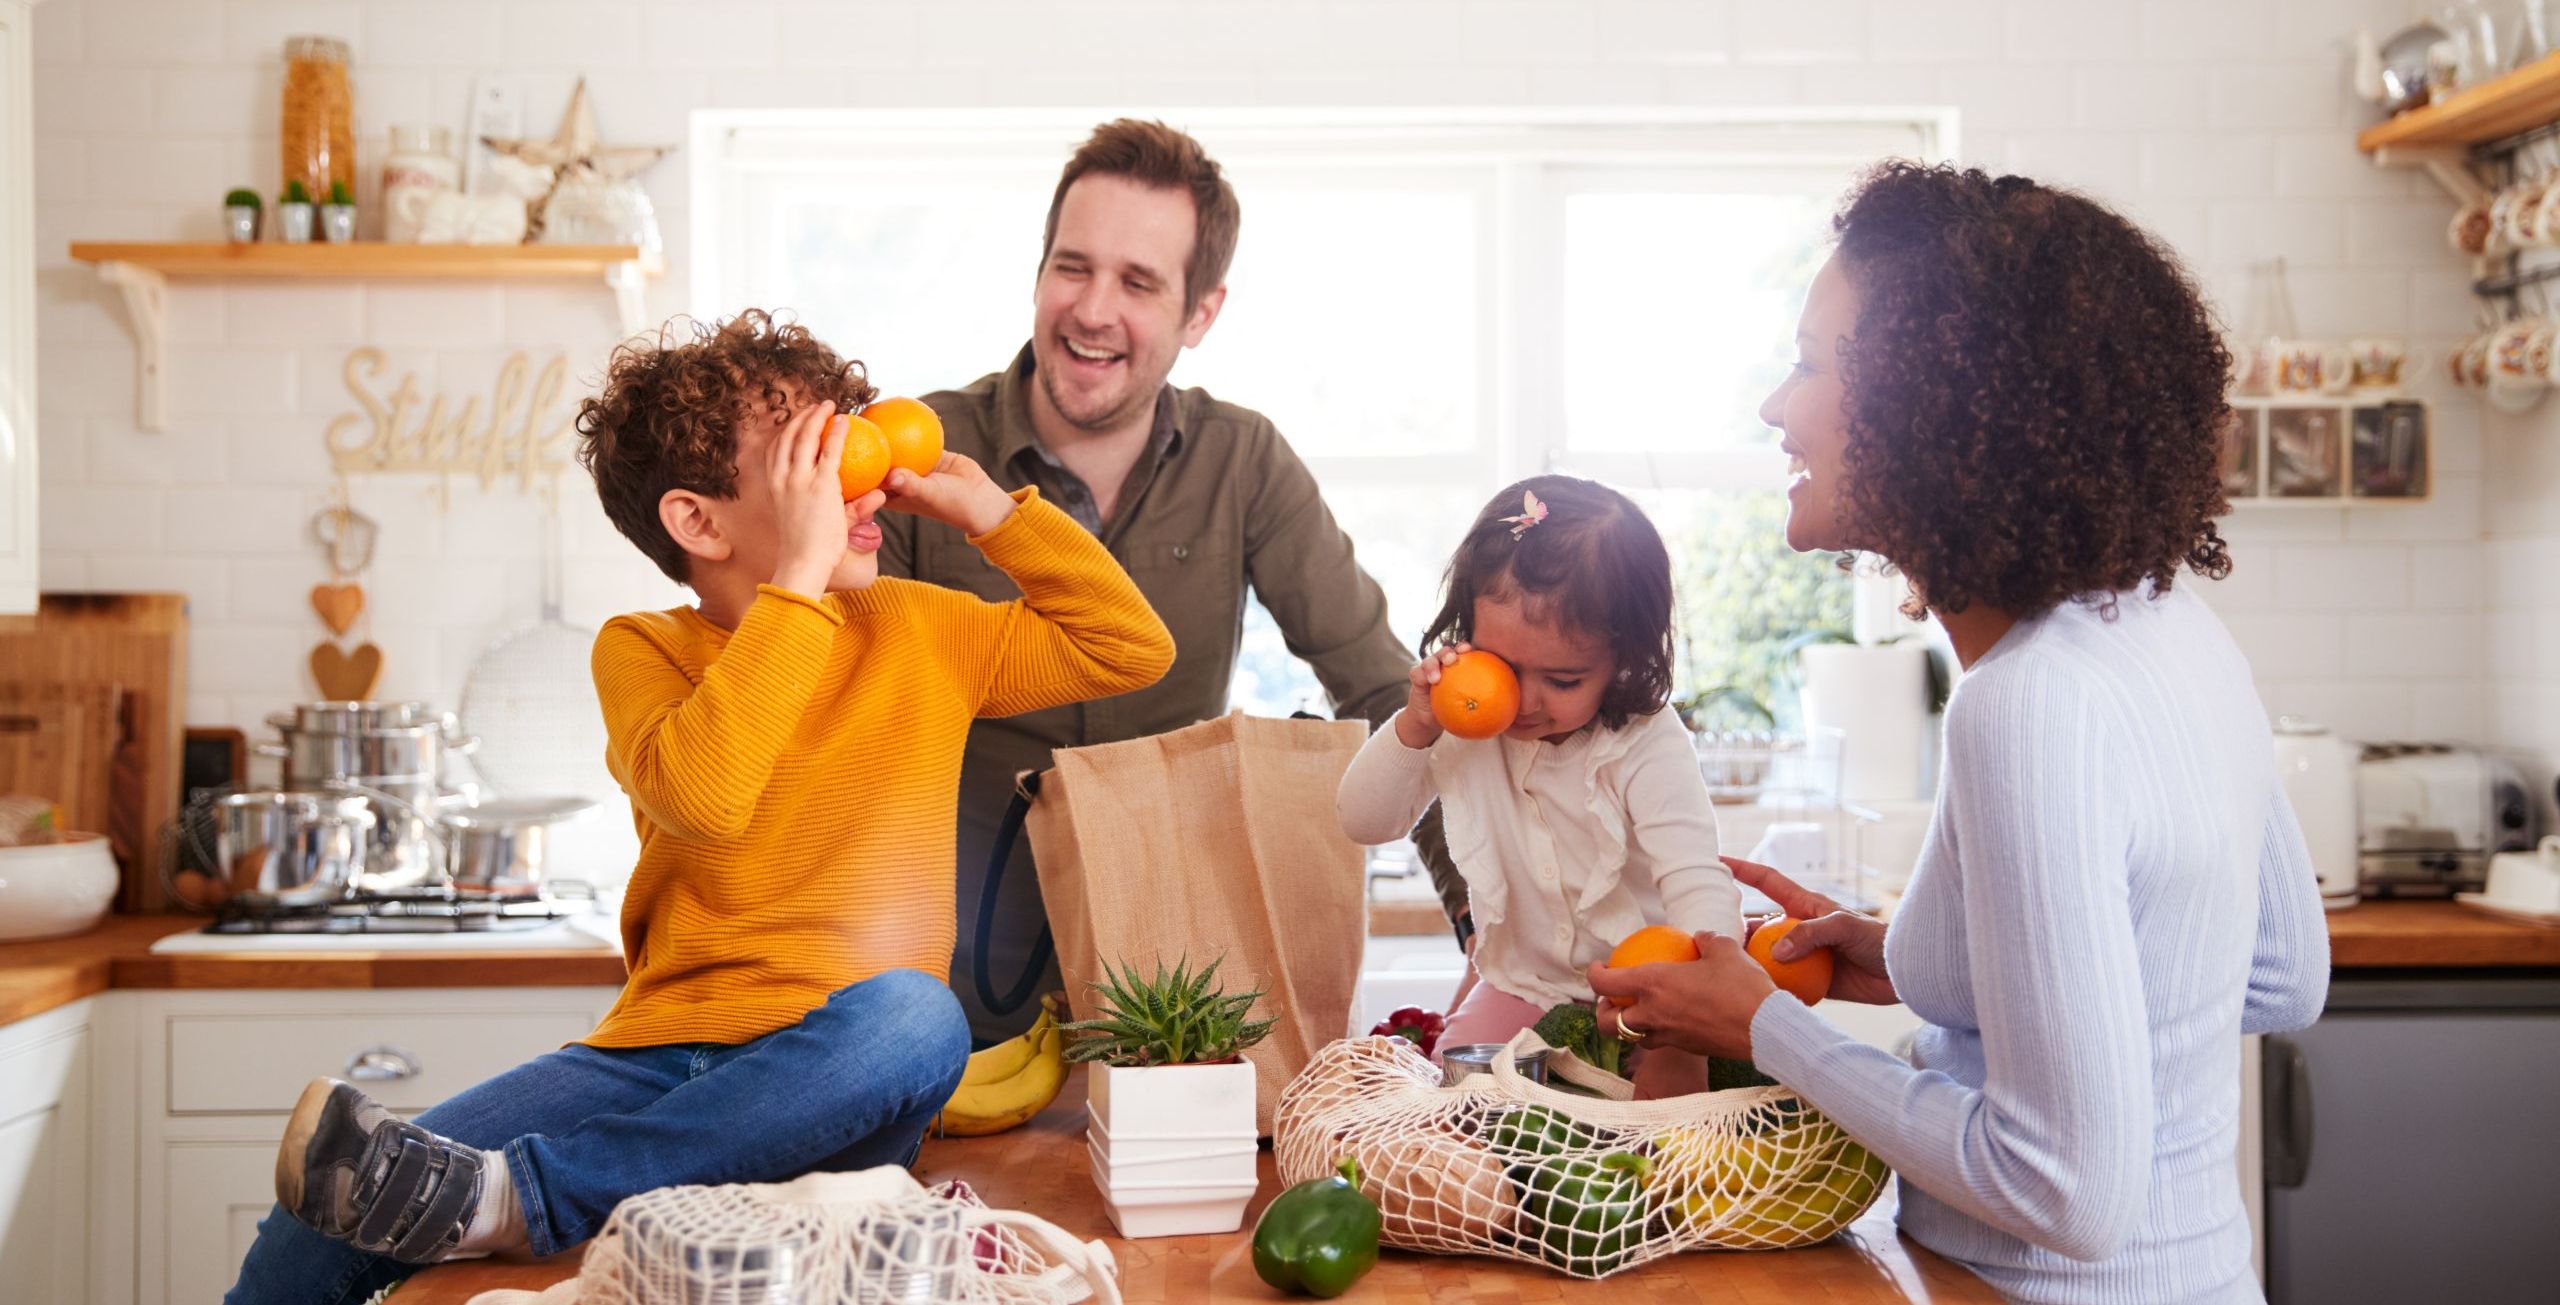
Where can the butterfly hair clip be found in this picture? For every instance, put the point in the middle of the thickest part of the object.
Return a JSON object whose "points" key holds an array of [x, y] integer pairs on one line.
{"points": [[1531, 513]]}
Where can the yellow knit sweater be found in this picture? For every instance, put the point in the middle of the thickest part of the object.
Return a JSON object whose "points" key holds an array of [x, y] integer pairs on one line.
{"points": [[795, 781]]}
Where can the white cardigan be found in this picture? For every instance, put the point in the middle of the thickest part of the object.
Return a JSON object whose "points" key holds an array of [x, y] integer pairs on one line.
{"points": [[1566, 847]]}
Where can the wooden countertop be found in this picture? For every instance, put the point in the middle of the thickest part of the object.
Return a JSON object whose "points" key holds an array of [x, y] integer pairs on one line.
{"points": [[2408, 934], [37, 976], [1041, 1168]]}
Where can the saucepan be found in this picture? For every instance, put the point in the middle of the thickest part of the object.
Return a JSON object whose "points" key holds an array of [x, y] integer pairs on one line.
{"points": [[277, 847]]}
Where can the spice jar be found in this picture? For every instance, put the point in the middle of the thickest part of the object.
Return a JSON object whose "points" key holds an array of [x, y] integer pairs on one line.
{"points": [[420, 168], [318, 131]]}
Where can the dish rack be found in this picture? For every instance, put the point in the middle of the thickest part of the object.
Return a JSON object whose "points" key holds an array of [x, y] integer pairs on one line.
{"points": [[1778, 799]]}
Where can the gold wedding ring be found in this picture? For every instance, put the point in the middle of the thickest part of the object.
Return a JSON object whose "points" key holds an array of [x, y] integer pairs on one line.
{"points": [[1628, 1032]]}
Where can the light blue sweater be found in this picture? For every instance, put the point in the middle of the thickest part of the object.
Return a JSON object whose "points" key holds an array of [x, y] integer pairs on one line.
{"points": [[2113, 890]]}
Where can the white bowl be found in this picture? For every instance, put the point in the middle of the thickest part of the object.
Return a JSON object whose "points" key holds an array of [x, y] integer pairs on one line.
{"points": [[48, 890]]}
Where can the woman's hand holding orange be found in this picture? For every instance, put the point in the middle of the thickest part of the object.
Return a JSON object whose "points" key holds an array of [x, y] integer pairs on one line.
{"points": [[1856, 941]]}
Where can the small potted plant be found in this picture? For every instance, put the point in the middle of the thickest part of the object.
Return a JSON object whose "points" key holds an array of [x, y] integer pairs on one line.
{"points": [[293, 214], [240, 216], [1170, 1104], [338, 216]]}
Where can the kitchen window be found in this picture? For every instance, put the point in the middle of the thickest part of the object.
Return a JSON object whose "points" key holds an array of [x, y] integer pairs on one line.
{"points": [[1430, 304]]}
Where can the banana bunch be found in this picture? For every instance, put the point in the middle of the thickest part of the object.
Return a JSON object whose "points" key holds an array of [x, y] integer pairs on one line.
{"points": [[1008, 1083]]}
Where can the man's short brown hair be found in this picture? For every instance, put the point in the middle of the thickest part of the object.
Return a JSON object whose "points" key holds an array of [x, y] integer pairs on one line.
{"points": [[669, 415], [1153, 154]]}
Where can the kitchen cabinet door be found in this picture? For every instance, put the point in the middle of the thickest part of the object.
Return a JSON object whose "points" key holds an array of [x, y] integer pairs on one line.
{"points": [[2412, 1146], [45, 1158], [17, 311], [216, 1194]]}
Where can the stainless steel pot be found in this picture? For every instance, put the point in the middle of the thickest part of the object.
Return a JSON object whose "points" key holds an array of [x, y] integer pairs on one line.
{"points": [[314, 757], [406, 849], [282, 848], [350, 717], [498, 848]]}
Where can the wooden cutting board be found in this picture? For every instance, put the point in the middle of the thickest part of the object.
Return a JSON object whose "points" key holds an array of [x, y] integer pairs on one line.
{"points": [[136, 643], [58, 742]]}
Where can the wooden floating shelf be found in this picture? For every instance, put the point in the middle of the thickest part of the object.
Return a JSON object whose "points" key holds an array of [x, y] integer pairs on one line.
{"points": [[2520, 101], [370, 260], [142, 272]]}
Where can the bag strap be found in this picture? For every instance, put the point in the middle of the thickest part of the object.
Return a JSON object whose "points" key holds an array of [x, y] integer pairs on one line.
{"points": [[1561, 1064], [1072, 1264], [1008, 832]]}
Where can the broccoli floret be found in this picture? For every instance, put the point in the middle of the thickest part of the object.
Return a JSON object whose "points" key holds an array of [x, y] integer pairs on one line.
{"points": [[1573, 1027]]}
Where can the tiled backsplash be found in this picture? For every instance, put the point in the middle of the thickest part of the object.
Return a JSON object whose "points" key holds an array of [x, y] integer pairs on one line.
{"points": [[2224, 126]]}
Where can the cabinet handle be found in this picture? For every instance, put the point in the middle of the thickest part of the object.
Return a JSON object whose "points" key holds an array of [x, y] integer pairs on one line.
{"points": [[383, 1064], [2285, 1084]]}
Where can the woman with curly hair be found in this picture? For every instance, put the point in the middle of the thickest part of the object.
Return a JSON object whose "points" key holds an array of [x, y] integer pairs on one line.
{"points": [[2015, 397]]}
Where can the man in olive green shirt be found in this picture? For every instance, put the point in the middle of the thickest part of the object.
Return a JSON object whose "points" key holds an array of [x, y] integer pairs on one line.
{"points": [[1200, 499]]}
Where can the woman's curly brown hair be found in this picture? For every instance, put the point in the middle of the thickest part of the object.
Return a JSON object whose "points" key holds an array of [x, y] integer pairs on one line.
{"points": [[2035, 394], [670, 414], [1594, 565]]}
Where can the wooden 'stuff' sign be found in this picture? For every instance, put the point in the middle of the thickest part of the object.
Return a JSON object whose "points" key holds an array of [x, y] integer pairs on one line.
{"points": [[524, 433]]}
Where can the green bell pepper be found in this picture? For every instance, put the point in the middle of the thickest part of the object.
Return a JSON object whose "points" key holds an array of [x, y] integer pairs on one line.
{"points": [[1535, 1132], [1319, 1236], [1588, 1215]]}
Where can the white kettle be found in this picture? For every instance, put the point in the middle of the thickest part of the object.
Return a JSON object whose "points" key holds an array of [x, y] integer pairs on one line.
{"points": [[2318, 770]]}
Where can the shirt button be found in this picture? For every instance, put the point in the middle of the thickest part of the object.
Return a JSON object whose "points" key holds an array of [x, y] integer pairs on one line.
{"points": [[1182, 552], [1564, 933]]}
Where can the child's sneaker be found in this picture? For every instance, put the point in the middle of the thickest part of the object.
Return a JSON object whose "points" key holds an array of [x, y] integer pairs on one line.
{"points": [[354, 1171]]}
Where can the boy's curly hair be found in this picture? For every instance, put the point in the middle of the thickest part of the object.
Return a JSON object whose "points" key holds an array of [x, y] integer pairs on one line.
{"points": [[671, 410], [2034, 393], [1596, 564]]}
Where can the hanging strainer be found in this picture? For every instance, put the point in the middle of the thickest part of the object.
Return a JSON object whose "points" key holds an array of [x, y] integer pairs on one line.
{"points": [[531, 699], [875, 1237]]}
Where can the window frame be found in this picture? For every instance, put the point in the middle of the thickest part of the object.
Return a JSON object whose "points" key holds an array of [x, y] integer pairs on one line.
{"points": [[1533, 156]]}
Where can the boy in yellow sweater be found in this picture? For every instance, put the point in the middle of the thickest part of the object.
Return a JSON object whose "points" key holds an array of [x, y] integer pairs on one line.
{"points": [[791, 746]]}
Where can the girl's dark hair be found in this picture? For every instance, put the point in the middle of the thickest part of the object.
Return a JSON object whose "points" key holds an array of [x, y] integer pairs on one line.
{"points": [[2034, 393], [1594, 564]]}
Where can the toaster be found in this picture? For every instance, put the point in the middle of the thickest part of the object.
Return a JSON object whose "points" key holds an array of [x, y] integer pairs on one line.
{"points": [[2430, 815]]}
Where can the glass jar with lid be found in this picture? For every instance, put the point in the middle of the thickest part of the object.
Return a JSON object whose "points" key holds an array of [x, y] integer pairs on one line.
{"points": [[421, 167], [317, 134]]}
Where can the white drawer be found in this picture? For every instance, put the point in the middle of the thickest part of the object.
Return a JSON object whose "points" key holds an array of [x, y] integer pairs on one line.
{"points": [[258, 1064]]}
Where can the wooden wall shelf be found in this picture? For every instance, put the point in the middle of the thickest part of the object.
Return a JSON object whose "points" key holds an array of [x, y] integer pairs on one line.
{"points": [[142, 271], [2520, 101]]}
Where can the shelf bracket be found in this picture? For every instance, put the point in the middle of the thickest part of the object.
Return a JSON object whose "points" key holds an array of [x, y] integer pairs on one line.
{"points": [[2449, 166], [626, 279], [146, 304]]}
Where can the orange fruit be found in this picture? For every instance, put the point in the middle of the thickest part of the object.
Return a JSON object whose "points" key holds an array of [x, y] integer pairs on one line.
{"points": [[866, 458], [1477, 696], [1807, 977], [913, 431], [1651, 945]]}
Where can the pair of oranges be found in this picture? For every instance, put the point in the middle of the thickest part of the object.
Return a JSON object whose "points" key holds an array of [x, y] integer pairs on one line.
{"points": [[887, 434], [1807, 977]]}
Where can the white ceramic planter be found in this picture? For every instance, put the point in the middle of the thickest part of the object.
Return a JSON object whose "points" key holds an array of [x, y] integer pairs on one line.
{"points": [[1180, 1100], [1173, 1147], [48, 890]]}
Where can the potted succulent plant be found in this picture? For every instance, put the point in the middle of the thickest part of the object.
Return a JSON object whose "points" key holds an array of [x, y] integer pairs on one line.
{"points": [[293, 214], [1170, 1102], [240, 216], [338, 216]]}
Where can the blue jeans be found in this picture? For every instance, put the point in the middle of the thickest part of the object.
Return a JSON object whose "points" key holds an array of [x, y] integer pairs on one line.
{"points": [[851, 1086]]}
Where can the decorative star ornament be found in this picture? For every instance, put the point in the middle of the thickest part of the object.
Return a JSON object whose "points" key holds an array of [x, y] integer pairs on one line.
{"points": [[575, 147]]}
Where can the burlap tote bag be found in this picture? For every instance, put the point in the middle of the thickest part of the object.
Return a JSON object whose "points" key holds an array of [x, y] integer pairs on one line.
{"points": [[1215, 840]]}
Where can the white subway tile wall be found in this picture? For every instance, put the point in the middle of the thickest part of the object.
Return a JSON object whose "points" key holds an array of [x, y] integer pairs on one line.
{"points": [[2226, 127]]}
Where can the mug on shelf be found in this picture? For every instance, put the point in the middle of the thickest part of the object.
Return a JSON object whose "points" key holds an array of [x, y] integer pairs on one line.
{"points": [[2378, 364], [2470, 230], [2312, 367]]}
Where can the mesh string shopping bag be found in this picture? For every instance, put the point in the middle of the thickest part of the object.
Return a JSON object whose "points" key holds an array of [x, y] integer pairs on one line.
{"points": [[1588, 1185], [876, 1237]]}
